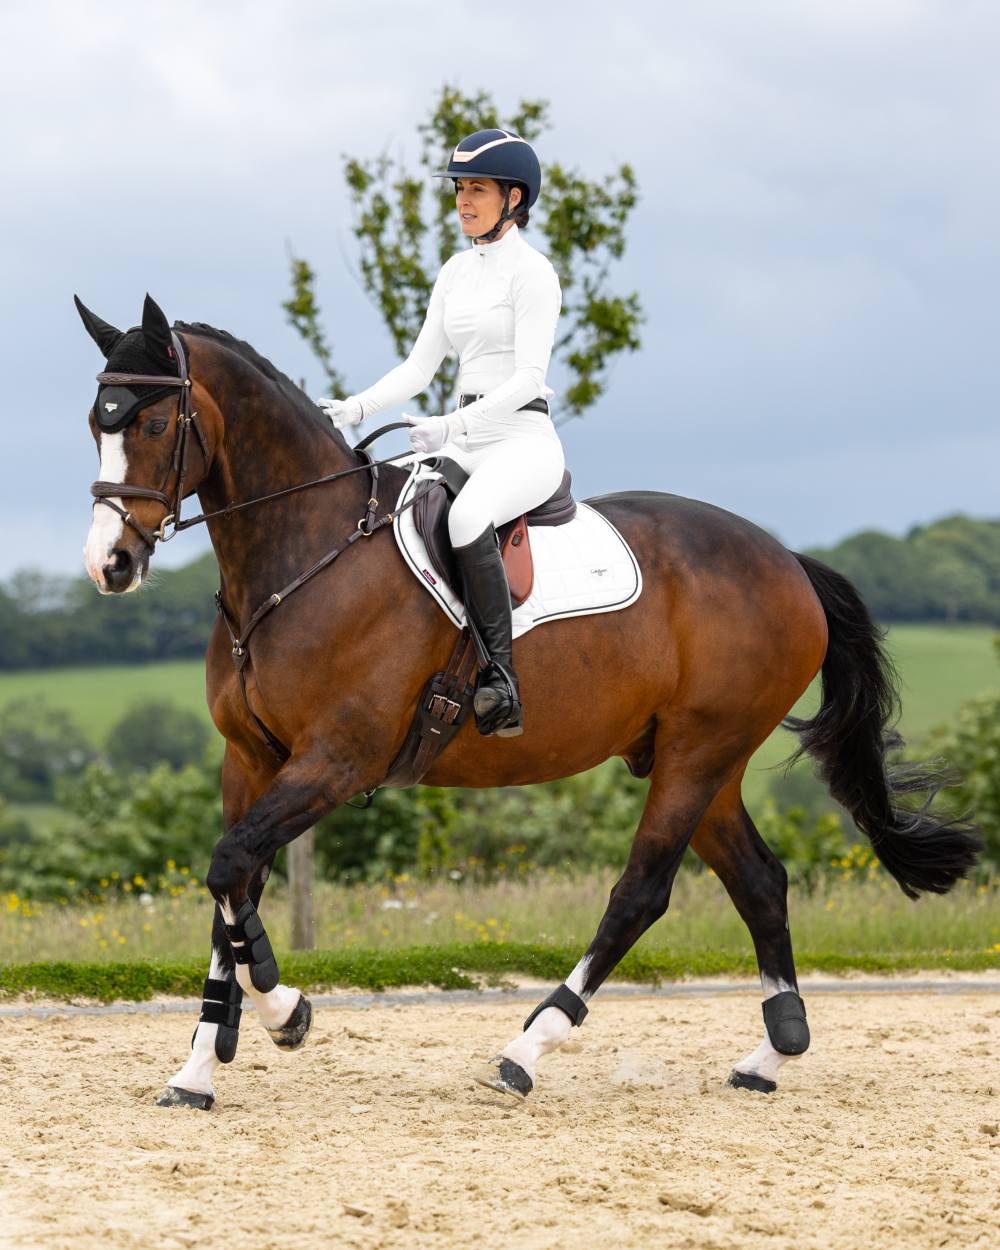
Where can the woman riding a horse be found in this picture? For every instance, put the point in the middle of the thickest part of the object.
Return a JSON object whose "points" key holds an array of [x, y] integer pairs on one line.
{"points": [[684, 684], [497, 305]]}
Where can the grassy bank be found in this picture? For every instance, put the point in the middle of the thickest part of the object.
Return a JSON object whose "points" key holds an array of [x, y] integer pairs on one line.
{"points": [[420, 933], [459, 966]]}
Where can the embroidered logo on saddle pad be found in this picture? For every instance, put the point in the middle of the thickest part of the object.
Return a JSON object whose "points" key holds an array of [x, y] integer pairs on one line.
{"points": [[581, 567]]}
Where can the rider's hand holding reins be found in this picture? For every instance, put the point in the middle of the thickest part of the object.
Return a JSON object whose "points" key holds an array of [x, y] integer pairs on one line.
{"points": [[343, 412], [431, 433]]}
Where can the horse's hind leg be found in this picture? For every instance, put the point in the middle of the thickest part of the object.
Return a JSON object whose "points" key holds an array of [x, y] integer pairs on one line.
{"points": [[679, 793], [727, 840]]}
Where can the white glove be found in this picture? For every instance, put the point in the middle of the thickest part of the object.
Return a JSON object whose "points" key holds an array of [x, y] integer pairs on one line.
{"points": [[429, 434], [343, 412]]}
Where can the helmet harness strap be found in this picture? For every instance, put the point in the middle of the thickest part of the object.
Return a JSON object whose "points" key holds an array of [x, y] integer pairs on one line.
{"points": [[505, 216]]}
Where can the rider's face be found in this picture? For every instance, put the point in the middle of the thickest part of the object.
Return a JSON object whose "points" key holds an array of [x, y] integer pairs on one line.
{"points": [[479, 202]]}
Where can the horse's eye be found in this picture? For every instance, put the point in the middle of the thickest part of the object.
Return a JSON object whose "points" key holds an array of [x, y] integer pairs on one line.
{"points": [[157, 425]]}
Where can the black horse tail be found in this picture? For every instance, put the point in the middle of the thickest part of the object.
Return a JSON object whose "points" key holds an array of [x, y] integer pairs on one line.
{"points": [[850, 736]]}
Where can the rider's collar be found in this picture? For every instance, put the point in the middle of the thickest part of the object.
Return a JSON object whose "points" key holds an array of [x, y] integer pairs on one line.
{"points": [[492, 249]]}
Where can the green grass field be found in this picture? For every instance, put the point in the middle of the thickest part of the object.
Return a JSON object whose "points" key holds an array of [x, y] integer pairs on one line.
{"points": [[940, 666], [98, 697], [860, 920]]}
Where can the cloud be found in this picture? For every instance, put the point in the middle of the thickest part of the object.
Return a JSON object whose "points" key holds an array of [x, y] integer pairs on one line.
{"points": [[815, 244]]}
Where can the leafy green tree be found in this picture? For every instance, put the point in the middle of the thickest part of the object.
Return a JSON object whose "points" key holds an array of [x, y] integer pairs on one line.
{"points": [[405, 227], [156, 731], [807, 844], [948, 570], [47, 621], [117, 825]]}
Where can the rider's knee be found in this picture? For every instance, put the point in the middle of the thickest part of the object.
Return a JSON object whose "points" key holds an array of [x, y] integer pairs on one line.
{"points": [[466, 520]]}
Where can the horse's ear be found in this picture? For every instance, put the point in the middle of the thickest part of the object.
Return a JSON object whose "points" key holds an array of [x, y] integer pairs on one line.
{"points": [[105, 336], [156, 330]]}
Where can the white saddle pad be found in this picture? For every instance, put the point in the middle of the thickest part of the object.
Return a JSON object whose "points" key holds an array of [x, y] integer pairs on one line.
{"points": [[582, 566]]}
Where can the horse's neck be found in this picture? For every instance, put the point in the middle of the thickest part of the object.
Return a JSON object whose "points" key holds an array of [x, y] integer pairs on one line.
{"points": [[268, 446]]}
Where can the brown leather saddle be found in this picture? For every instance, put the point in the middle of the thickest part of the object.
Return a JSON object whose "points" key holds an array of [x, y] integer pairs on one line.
{"points": [[430, 516]]}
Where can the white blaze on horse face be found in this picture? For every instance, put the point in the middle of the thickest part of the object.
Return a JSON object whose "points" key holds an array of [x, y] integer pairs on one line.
{"points": [[107, 526], [549, 1029]]}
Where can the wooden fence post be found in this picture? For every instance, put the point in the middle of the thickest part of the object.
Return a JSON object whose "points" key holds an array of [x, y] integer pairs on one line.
{"points": [[301, 869]]}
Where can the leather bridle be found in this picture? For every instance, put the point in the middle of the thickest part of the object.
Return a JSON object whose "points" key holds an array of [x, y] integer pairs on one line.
{"points": [[187, 420]]}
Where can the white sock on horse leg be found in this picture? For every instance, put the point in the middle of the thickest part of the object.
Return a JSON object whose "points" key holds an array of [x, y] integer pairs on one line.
{"points": [[549, 1029], [765, 1060], [775, 985], [196, 1074]]}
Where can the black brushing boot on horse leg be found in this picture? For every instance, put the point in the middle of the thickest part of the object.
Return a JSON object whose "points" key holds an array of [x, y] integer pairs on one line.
{"points": [[486, 593]]}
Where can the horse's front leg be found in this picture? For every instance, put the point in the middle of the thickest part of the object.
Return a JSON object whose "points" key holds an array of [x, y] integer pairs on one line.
{"points": [[217, 1032], [242, 958]]}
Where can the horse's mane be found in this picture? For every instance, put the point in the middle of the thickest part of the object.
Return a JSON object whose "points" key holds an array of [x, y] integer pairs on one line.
{"points": [[293, 393]]}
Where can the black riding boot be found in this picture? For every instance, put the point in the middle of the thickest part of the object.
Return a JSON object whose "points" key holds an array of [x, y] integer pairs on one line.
{"points": [[486, 593]]}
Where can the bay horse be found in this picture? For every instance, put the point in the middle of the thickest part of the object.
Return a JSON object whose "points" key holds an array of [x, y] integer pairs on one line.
{"points": [[684, 684]]}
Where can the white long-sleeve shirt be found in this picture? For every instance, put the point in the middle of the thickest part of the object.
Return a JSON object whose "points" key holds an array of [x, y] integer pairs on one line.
{"points": [[497, 305]]}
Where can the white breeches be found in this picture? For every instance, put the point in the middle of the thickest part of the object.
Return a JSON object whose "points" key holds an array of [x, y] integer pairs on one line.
{"points": [[506, 478]]}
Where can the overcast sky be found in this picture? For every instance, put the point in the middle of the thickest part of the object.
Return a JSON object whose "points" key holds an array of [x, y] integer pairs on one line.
{"points": [[816, 246]]}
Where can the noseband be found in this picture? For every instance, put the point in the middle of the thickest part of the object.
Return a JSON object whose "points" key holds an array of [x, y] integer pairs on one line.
{"points": [[187, 420]]}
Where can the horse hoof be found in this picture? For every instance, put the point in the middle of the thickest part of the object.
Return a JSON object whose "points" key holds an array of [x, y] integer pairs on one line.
{"points": [[293, 1033], [174, 1096], [750, 1080], [506, 1077]]}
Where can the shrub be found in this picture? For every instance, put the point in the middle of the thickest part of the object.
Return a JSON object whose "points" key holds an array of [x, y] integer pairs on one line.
{"points": [[810, 847], [118, 827], [972, 747], [157, 731]]}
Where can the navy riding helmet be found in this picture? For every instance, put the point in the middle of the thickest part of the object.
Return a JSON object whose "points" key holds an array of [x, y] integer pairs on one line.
{"points": [[500, 155]]}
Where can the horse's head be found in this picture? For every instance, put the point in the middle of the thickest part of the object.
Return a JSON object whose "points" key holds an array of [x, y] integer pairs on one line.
{"points": [[152, 444]]}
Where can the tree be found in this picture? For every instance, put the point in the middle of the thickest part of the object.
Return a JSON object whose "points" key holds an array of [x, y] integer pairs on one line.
{"points": [[403, 242]]}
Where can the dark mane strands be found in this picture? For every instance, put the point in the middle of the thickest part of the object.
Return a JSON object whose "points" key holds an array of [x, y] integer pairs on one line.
{"points": [[245, 351]]}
